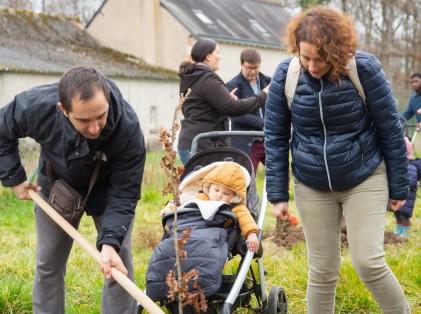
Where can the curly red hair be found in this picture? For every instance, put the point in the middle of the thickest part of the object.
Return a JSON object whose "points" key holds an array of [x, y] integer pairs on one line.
{"points": [[330, 31]]}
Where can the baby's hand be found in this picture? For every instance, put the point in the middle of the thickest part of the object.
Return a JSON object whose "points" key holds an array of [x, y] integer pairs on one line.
{"points": [[252, 242], [169, 207], [163, 212]]}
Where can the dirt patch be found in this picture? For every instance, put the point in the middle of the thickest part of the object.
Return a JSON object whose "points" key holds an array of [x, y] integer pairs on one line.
{"points": [[287, 235], [391, 238]]}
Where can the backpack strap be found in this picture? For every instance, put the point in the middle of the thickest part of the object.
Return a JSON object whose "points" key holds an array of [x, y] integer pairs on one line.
{"points": [[353, 76], [291, 81], [294, 70]]}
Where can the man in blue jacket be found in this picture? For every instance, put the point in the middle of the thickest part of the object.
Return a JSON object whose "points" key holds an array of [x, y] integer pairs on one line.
{"points": [[248, 83], [414, 103], [72, 121]]}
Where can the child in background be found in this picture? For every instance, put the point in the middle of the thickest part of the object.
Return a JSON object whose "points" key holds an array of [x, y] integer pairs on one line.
{"points": [[403, 215], [228, 183]]}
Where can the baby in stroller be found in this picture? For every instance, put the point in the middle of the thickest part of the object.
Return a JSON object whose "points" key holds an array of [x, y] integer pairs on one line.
{"points": [[212, 190], [227, 183]]}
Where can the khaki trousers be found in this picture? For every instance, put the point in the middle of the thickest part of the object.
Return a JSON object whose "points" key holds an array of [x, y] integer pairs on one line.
{"points": [[364, 210]]}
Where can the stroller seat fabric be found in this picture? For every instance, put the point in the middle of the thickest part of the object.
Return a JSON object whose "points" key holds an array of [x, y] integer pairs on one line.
{"points": [[207, 247], [207, 252]]}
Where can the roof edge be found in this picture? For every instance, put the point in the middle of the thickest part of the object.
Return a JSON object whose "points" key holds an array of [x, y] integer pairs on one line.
{"points": [[20, 70], [240, 41], [222, 38]]}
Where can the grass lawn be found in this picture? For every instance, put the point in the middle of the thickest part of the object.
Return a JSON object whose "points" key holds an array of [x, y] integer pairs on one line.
{"points": [[285, 267]]}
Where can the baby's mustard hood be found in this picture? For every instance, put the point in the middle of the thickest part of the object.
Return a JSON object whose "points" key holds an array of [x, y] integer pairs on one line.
{"points": [[230, 175]]}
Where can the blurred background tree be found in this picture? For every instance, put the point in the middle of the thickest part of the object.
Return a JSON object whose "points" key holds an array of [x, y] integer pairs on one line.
{"points": [[387, 28]]}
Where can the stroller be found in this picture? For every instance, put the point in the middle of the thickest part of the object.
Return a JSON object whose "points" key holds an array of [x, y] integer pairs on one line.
{"points": [[224, 293]]}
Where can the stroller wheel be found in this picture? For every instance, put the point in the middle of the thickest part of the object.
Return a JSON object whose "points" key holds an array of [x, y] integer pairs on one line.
{"points": [[277, 301]]}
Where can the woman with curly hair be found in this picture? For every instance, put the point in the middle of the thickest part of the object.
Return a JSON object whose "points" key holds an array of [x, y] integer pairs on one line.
{"points": [[348, 156]]}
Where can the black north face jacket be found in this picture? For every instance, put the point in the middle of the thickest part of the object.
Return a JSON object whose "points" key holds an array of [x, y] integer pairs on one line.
{"points": [[34, 113]]}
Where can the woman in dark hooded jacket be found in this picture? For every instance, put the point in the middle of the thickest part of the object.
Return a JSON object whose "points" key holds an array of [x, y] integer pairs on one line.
{"points": [[209, 104]]}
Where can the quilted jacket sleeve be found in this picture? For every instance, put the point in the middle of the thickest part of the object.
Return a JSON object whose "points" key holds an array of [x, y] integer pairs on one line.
{"points": [[381, 106], [19, 119], [217, 95], [277, 135]]}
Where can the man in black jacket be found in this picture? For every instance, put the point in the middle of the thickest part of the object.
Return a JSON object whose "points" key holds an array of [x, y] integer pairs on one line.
{"points": [[248, 83], [72, 121]]}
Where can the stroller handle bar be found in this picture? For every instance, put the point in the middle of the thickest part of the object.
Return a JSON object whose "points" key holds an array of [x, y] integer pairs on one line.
{"points": [[218, 134]]}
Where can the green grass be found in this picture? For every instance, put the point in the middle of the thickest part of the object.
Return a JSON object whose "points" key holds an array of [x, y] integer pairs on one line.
{"points": [[286, 268]]}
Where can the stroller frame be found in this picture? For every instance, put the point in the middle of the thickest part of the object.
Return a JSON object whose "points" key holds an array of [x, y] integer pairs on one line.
{"points": [[277, 301], [239, 293]]}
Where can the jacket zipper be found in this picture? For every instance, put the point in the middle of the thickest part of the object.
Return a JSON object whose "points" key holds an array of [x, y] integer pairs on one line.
{"points": [[325, 134]]}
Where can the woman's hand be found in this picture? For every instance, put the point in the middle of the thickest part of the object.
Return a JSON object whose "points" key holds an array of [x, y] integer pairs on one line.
{"points": [[266, 89], [281, 210], [232, 93], [394, 205]]}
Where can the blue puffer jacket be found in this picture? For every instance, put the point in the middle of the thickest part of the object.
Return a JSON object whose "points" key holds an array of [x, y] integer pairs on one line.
{"points": [[337, 141]]}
